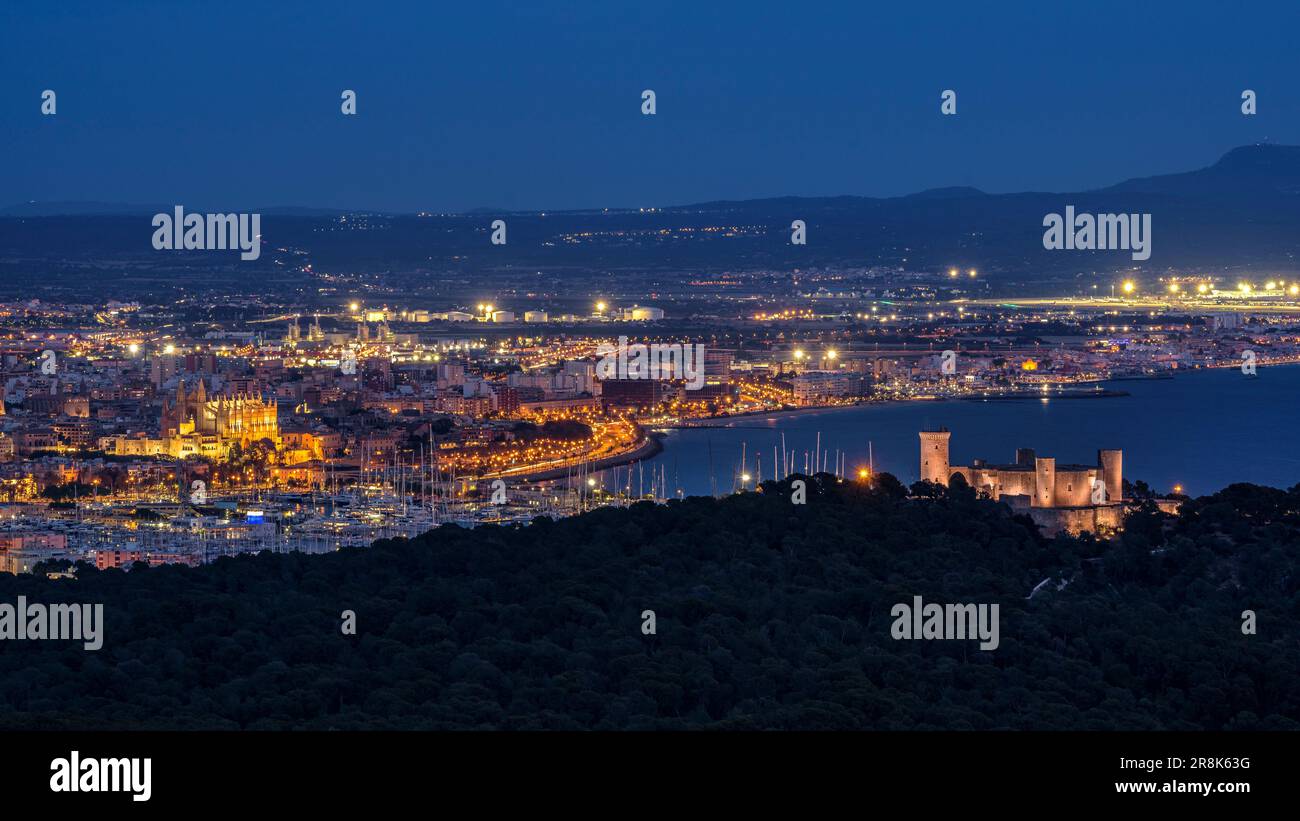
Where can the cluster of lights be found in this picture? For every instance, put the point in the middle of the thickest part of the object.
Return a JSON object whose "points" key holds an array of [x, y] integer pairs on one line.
{"points": [[830, 354], [789, 313], [1244, 288]]}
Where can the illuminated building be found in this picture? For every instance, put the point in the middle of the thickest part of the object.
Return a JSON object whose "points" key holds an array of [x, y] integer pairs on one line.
{"points": [[193, 424], [1072, 498]]}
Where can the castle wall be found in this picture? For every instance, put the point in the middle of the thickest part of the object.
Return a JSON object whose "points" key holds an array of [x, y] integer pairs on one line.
{"points": [[1015, 483], [1076, 520], [1074, 487]]}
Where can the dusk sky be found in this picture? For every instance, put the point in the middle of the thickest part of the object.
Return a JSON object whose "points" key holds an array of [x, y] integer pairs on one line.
{"points": [[518, 106]]}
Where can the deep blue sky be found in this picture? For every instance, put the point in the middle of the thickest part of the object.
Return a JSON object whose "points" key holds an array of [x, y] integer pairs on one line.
{"points": [[513, 105]]}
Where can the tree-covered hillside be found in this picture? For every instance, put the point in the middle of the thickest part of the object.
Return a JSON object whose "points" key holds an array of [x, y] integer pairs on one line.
{"points": [[768, 615]]}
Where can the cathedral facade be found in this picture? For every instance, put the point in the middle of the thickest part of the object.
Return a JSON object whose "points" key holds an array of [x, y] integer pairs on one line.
{"points": [[194, 424]]}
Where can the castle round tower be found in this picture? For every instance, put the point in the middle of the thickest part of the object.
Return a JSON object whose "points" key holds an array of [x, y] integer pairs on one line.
{"points": [[1111, 463]]}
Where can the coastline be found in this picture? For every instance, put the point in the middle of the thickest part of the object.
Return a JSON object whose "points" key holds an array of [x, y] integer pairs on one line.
{"points": [[648, 449], [654, 445], [721, 422]]}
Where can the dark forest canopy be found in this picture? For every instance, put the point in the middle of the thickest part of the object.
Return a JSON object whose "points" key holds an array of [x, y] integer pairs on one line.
{"points": [[769, 615]]}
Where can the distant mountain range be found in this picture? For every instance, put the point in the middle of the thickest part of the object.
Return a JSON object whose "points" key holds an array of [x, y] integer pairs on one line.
{"points": [[1254, 170], [1240, 214]]}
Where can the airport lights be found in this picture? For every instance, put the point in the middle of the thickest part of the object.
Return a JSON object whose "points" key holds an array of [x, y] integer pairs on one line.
{"points": [[1173, 287], [1202, 288], [1129, 286]]}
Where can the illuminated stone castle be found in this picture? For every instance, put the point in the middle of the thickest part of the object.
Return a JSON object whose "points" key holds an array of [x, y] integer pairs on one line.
{"points": [[195, 425], [1073, 498]]}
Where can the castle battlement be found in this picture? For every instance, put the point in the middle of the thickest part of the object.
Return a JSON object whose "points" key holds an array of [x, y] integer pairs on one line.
{"points": [[1059, 496]]}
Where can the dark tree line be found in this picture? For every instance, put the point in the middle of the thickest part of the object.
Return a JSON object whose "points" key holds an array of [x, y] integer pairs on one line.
{"points": [[768, 615]]}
